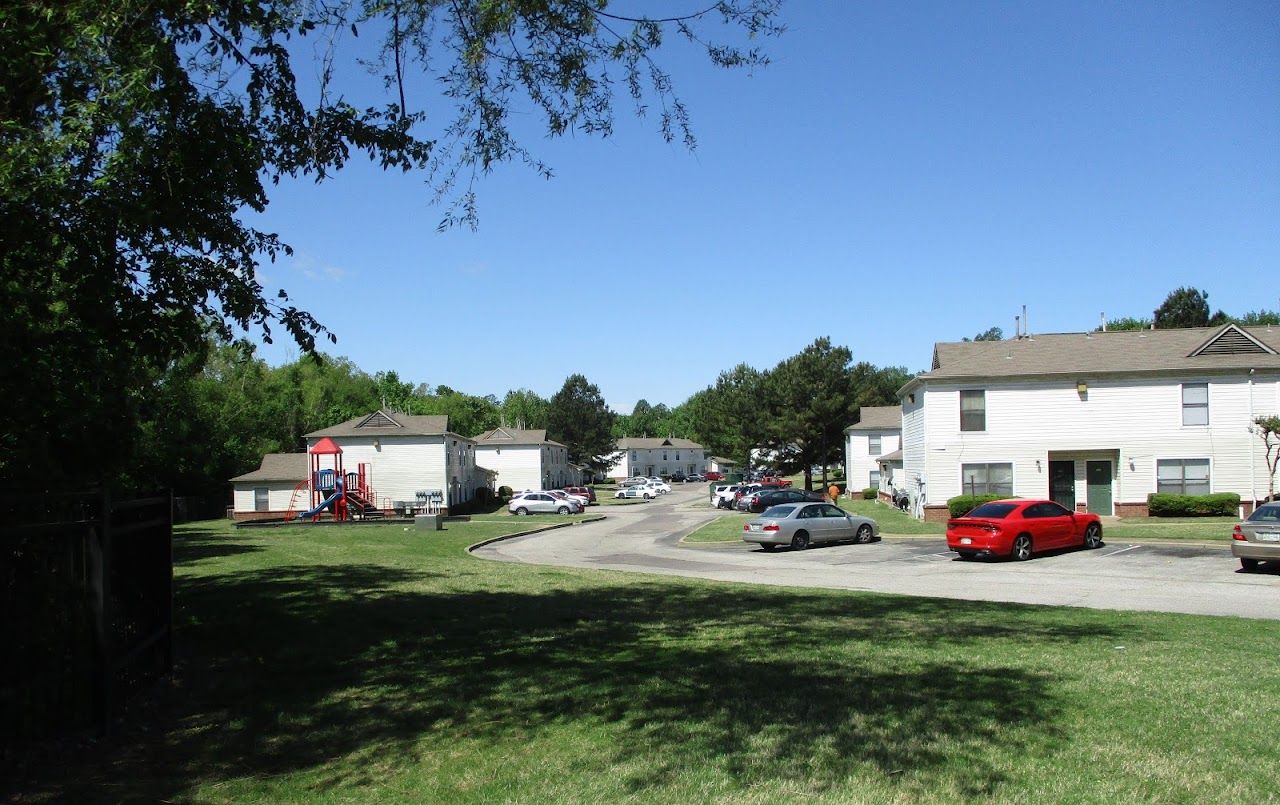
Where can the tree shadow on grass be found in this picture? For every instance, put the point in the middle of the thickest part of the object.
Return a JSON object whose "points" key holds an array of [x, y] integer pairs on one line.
{"points": [[289, 668], [198, 544]]}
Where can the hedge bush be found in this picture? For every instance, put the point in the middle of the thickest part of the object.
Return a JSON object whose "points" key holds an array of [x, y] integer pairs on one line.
{"points": [[960, 505], [1223, 504], [869, 493], [504, 492]]}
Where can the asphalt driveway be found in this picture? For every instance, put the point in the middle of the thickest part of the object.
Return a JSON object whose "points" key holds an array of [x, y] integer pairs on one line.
{"points": [[1121, 575]]}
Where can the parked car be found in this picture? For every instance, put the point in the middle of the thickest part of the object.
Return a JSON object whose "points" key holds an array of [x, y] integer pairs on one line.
{"points": [[768, 498], [636, 481], [582, 492], [775, 480], [678, 477], [1257, 539], [636, 492], [662, 486], [722, 495], [696, 477], [803, 524], [541, 503], [715, 476], [581, 500], [1018, 528]]}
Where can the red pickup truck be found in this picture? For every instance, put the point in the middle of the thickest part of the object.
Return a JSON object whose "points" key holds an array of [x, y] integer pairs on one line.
{"points": [[773, 480]]}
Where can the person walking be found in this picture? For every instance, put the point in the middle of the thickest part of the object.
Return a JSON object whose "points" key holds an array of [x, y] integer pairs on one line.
{"points": [[834, 492]]}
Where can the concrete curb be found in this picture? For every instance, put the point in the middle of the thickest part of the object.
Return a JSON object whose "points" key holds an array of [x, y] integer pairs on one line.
{"points": [[538, 530]]}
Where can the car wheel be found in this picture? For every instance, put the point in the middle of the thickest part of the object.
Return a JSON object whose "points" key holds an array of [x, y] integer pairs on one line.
{"points": [[800, 541], [522, 511], [1021, 548], [1249, 565], [562, 510], [864, 534], [1093, 536], [768, 547], [646, 495]]}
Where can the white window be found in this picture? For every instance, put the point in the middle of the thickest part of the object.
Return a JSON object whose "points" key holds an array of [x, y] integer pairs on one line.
{"points": [[1182, 476], [1195, 404], [873, 445], [986, 479], [874, 481], [973, 410], [261, 499]]}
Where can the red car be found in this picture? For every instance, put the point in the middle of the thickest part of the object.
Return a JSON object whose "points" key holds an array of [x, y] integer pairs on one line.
{"points": [[1017, 528], [714, 476], [582, 491]]}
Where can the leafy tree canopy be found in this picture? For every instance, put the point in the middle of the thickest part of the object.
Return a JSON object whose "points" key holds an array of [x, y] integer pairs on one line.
{"points": [[578, 418], [992, 334], [1186, 307], [137, 137]]}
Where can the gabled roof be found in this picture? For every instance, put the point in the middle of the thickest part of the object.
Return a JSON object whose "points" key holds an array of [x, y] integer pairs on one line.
{"points": [[878, 417], [500, 437], [638, 443], [384, 423], [889, 458], [1176, 351], [278, 467], [725, 461]]}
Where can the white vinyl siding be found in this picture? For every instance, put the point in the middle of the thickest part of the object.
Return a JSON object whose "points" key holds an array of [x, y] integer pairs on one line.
{"points": [[1131, 421]]}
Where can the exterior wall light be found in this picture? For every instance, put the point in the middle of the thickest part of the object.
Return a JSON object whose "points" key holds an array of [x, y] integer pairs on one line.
{"points": [[1082, 388]]}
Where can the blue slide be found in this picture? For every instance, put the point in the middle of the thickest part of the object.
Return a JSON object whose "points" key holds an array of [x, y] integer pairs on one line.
{"points": [[324, 504]]}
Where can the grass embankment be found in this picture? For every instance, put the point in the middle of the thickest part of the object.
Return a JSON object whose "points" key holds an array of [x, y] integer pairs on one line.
{"points": [[378, 664]]}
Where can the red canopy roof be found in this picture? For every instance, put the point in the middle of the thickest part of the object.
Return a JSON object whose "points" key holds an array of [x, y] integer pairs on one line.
{"points": [[325, 447]]}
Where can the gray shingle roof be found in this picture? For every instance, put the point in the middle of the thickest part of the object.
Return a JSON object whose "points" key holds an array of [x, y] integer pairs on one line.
{"points": [[514, 436], [1186, 351], [878, 417], [637, 443], [896, 455], [385, 423], [278, 467]]}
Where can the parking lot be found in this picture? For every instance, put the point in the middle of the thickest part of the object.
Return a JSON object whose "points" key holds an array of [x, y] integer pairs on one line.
{"points": [[1120, 575]]}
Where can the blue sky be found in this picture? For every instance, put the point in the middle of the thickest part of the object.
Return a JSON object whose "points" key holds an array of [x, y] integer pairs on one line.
{"points": [[901, 174]]}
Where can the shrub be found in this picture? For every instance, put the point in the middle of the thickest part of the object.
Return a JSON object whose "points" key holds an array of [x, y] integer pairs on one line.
{"points": [[869, 493], [961, 505], [504, 492], [1223, 504], [837, 473]]}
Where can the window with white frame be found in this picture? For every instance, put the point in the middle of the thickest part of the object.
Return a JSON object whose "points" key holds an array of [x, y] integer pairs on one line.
{"points": [[1182, 476], [261, 499], [873, 445], [1195, 403], [874, 481], [986, 479], [973, 410]]}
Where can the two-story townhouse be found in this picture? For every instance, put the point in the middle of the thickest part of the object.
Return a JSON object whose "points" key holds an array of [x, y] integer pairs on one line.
{"points": [[525, 459], [1096, 421], [657, 457], [878, 432]]}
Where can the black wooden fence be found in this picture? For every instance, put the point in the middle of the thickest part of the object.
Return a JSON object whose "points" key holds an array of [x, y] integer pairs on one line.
{"points": [[86, 609]]}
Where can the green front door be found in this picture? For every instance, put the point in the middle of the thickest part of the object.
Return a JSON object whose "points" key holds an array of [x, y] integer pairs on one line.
{"points": [[1062, 484], [1098, 477]]}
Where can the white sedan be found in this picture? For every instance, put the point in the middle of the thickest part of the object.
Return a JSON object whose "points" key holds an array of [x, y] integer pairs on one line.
{"points": [[636, 492], [661, 486]]}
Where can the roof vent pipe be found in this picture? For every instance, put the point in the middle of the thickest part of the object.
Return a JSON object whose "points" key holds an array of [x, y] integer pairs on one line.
{"points": [[1102, 317], [1017, 326], [1026, 327]]}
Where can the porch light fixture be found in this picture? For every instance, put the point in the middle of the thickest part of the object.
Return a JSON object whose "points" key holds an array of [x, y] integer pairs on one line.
{"points": [[377, 444], [1082, 388]]}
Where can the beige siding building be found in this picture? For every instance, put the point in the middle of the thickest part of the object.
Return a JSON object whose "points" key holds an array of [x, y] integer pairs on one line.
{"points": [[657, 457]]}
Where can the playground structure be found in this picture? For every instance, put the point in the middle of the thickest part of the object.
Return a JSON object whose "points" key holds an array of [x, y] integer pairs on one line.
{"points": [[344, 494]]}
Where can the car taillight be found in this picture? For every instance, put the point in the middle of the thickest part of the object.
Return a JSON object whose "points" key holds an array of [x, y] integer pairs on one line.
{"points": [[746, 526], [1236, 533], [771, 527]]}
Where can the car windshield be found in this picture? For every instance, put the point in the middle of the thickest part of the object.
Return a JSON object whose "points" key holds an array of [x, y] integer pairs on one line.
{"points": [[994, 511], [778, 512], [1265, 514]]}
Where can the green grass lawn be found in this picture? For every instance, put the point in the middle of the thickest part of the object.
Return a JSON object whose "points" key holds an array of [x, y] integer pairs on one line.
{"points": [[725, 528], [381, 664], [1209, 529]]}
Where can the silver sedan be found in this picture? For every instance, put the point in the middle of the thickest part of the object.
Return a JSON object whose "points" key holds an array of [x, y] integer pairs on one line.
{"points": [[802, 524]]}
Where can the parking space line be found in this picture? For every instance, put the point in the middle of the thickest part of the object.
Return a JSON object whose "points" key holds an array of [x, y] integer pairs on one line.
{"points": [[1122, 550]]}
